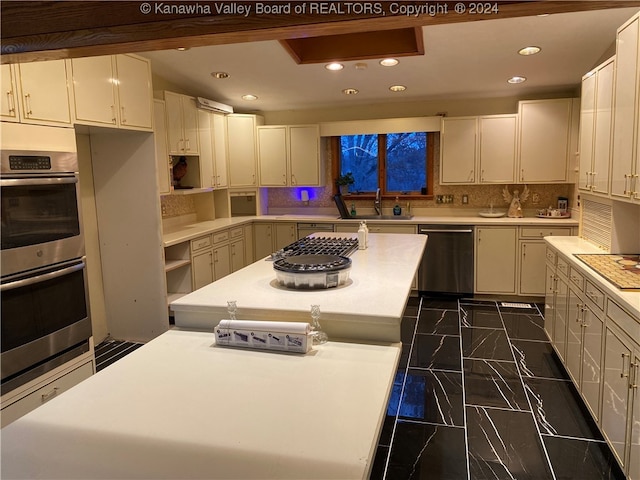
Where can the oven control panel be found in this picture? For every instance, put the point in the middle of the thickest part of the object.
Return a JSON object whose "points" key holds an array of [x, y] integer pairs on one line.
{"points": [[29, 162]]}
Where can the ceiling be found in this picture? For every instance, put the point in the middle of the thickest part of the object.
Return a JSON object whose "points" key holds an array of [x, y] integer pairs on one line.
{"points": [[461, 60]]}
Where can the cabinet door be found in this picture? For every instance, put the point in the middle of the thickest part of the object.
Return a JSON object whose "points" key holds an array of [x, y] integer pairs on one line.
{"points": [[573, 359], [190, 125], [263, 245], [8, 99], [272, 156], [219, 127], [304, 155], [134, 92], [45, 97], [616, 391], [550, 300], [625, 108], [241, 149], [458, 144], [237, 255], [248, 244], [221, 261], [545, 129], [286, 233], [591, 360], [94, 90], [602, 131], [175, 136], [561, 318], [496, 260], [498, 149], [206, 150], [202, 267], [587, 125], [634, 446], [532, 268], [163, 162]]}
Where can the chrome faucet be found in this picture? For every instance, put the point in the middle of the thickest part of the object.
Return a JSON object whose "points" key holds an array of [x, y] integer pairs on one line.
{"points": [[376, 203]]}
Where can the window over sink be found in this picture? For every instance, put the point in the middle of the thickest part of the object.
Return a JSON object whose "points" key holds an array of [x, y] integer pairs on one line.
{"points": [[400, 164]]}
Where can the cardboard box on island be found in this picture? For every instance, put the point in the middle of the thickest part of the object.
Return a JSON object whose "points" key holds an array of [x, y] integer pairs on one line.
{"points": [[265, 335]]}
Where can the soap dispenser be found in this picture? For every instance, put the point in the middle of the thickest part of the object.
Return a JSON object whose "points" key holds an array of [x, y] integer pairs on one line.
{"points": [[353, 209], [397, 210]]}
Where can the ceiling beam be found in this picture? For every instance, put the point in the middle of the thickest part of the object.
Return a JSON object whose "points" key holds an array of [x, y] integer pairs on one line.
{"points": [[35, 30]]}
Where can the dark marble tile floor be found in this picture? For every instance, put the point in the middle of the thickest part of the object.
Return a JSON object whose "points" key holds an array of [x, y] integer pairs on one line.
{"points": [[480, 394]]}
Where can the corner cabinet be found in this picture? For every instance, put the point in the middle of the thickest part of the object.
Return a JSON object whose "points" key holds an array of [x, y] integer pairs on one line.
{"points": [[625, 158], [242, 149], [478, 150], [544, 141], [595, 128]]}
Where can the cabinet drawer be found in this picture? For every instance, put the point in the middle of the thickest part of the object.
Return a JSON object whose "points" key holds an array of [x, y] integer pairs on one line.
{"points": [[538, 232], [629, 324], [45, 393], [221, 237], [237, 232], [576, 278], [594, 294], [563, 266], [551, 256], [200, 243]]}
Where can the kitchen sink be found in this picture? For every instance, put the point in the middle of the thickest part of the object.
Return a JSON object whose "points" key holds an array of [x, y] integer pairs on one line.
{"points": [[381, 217]]}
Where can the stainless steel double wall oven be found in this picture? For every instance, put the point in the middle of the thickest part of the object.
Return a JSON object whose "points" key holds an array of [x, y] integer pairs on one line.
{"points": [[43, 286]]}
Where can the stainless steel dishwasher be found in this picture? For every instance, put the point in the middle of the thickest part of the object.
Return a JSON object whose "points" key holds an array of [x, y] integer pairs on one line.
{"points": [[447, 263]]}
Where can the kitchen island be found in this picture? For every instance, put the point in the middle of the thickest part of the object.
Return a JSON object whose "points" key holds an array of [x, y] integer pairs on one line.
{"points": [[183, 407], [368, 307]]}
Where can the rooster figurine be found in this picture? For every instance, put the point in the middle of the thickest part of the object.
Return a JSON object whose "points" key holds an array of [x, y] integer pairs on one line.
{"points": [[179, 170], [515, 201]]}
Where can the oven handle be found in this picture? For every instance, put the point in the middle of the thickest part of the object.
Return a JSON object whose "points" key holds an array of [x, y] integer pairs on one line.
{"points": [[42, 278], [62, 179]]}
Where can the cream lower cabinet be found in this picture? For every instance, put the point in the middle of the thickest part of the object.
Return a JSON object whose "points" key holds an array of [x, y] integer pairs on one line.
{"points": [[211, 257], [270, 237], [495, 259], [556, 309], [620, 399], [236, 249]]}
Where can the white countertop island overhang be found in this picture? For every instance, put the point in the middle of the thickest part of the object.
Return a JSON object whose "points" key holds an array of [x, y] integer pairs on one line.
{"points": [[368, 308]]}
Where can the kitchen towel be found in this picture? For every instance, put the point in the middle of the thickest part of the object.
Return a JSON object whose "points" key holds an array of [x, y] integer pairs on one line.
{"points": [[279, 336]]}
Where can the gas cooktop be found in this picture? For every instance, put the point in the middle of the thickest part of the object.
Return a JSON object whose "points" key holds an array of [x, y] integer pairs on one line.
{"points": [[321, 246]]}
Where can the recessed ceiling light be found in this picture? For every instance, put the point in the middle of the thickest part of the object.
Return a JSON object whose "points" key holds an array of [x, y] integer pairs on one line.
{"points": [[249, 97], [220, 75], [350, 91], [517, 79], [532, 50], [335, 66], [389, 62], [397, 88]]}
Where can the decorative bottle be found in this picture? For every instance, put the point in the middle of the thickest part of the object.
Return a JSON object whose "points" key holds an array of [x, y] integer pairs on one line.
{"points": [[397, 210]]}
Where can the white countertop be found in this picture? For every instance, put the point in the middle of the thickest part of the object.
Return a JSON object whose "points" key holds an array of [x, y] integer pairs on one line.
{"points": [[181, 407], [568, 246], [183, 233], [368, 307]]}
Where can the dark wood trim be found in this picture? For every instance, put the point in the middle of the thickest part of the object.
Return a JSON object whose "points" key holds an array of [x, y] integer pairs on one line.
{"points": [[37, 30]]}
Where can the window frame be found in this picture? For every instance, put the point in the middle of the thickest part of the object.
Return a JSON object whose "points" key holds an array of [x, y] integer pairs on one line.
{"points": [[432, 138]]}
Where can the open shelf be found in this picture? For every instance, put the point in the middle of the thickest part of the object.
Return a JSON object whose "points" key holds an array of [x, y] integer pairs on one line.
{"points": [[170, 265]]}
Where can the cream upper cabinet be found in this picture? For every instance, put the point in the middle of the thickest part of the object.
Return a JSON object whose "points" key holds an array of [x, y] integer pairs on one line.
{"points": [[113, 91], [304, 156], [478, 149], [206, 162], [182, 124], [497, 160], [595, 128], [495, 258], [163, 161], [625, 161], [44, 96], [458, 147], [544, 140], [289, 155], [219, 138], [9, 100], [242, 149], [272, 155], [135, 94]]}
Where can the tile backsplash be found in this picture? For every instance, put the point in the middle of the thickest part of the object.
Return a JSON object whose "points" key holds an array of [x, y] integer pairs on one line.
{"points": [[177, 205]]}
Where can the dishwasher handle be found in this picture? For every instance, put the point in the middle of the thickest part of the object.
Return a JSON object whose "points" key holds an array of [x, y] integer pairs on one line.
{"points": [[429, 230]]}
